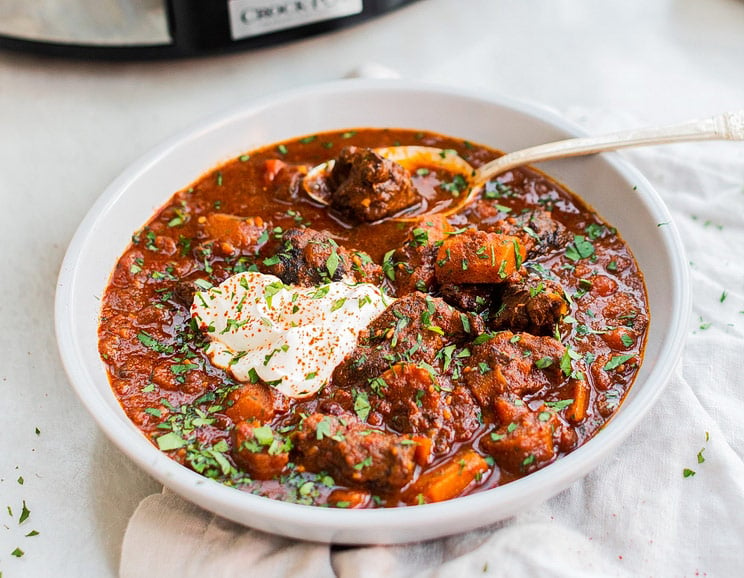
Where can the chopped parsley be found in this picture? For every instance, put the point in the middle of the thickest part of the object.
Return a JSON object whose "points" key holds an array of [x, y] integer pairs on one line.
{"points": [[497, 190], [365, 463], [595, 230], [581, 248], [617, 361], [361, 405], [559, 405], [323, 429], [270, 290], [25, 513], [321, 292], [456, 186], [700, 457], [151, 343], [273, 260], [332, 263], [388, 265], [170, 441], [566, 361]]}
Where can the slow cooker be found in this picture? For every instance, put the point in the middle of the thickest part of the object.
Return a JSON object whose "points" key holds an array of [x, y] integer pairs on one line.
{"points": [[143, 29]]}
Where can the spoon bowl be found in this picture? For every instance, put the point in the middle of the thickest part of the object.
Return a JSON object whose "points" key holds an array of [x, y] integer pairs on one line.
{"points": [[410, 158]]}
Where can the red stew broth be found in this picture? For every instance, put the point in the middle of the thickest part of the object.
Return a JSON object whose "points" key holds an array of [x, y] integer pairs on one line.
{"points": [[167, 386]]}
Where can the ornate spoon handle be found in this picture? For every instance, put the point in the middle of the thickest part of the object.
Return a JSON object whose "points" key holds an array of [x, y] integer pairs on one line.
{"points": [[727, 126]]}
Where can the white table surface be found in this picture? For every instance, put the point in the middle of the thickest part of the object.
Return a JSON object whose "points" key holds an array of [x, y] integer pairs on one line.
{"points": [[68, 128]]}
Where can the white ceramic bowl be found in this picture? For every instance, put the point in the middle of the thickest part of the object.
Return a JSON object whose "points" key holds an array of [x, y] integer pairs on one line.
{"points": [[618, 192]]}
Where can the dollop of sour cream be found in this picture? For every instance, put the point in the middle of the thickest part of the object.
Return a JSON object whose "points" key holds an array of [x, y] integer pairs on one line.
{"points": [[291, 337]]}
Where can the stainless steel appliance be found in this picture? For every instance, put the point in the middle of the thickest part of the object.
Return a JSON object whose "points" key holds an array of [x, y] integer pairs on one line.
{"points": [[131, 29]]}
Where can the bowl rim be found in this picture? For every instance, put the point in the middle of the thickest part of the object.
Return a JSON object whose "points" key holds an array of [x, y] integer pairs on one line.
{"points": [[359, 526]]}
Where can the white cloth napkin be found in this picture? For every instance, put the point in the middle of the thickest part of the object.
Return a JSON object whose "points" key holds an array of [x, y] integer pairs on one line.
{"points": [[635, 515]]}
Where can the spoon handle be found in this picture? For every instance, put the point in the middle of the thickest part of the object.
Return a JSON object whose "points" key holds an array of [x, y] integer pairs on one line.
{"points": [[727, 126]]}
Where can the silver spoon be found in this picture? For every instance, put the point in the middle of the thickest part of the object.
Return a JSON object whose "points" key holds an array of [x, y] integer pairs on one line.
{"points": [[727, 126]]}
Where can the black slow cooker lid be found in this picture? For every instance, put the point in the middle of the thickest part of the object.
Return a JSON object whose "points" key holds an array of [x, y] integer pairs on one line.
{"points": [[147, 29]]}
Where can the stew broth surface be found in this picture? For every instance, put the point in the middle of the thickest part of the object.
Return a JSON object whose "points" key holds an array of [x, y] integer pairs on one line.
{"points": [[471, 384]]}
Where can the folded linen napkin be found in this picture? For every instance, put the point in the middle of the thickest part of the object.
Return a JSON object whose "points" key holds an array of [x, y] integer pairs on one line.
{"points": [[636, 514]]}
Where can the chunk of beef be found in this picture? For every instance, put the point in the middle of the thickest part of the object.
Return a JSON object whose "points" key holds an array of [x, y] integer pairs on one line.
{"points": [[230, 234], [258, 451], [411, 400], [369, 187], [488, 213], [476, 256], [186, 287], [603, 379], [525, 439], [354, 453], [165, 374], [537, 231], [468, 297], [184, 292], [513, 363], [285, 179], [413, 263], [625, 311], [308, 257], [414, 328], [164, 245], [126, 274], [533, 305]]}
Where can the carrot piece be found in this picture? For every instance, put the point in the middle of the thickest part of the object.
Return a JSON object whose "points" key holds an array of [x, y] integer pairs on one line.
{"points": [[273, 167], [348, 498], [603, 285], [478, 257], [422, 455], [251, 402], [447, 480], [262, 465], [577, 410], [232, 232], [253, 455], [620, 338]]}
